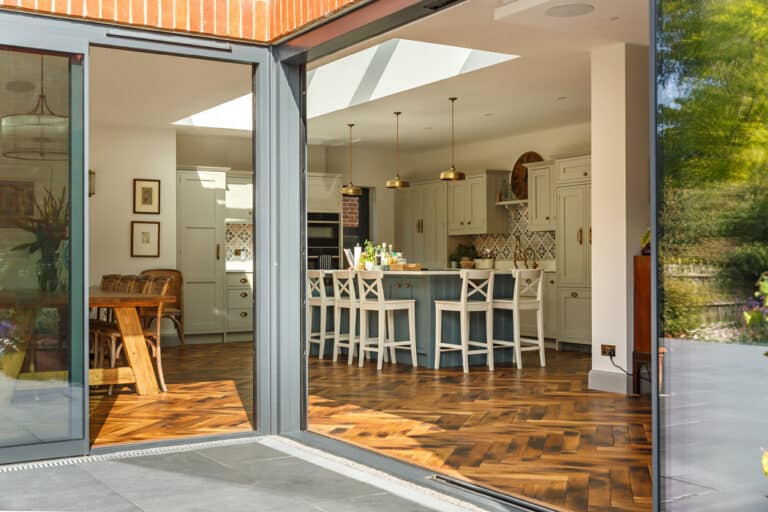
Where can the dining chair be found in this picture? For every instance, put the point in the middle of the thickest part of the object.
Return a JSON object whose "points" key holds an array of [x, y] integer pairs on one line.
{"points": [[317, 299], [372, 300], [174, 311], [476, 297], [526, 296], [152, 319], [344, 298]]}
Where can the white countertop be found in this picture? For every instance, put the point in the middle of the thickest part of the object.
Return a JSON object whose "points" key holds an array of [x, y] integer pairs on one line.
{"points": [[239, 266], [449, 272]]}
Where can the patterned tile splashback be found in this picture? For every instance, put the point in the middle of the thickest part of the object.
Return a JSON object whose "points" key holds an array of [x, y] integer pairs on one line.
{"points": [[503, 244], [238, 236]]}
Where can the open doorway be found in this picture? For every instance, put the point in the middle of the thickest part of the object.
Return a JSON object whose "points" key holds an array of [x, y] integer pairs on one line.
{"points": [[170, 215], [544, 108]]}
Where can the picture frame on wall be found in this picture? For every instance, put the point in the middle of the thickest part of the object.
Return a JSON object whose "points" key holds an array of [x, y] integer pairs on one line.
{"points": [[145, 239], [146, 196]]}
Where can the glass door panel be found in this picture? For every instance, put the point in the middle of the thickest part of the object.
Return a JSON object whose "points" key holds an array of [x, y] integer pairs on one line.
{"points": [[41, 212]]}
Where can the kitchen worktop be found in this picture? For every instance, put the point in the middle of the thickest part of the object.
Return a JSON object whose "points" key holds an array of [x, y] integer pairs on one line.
{"points": [[239, 266]]}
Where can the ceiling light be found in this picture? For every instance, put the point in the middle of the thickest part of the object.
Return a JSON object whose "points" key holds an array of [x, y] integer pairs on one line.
{"points": [[397, 182], [349, 189], [39, 134], [452, 174], [570, 10]]}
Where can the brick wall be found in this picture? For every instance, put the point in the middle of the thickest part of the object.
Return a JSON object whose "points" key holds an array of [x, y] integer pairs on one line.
{"points": [[250, 20], [351, 211]]}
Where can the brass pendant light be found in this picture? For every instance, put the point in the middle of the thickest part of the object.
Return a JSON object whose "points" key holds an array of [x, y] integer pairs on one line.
{"points": [[452, 174], [349, 189], [397, 182]]}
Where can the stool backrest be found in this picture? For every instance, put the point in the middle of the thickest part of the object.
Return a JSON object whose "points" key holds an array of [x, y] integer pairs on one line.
{"points": [[109, 282], [316, 284], [476, 286], [529, 283], [370, 285], [344, 285]]}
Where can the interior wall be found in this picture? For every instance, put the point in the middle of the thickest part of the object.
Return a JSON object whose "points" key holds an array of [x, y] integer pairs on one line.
{"points": [[118, 155], [215, 151]]}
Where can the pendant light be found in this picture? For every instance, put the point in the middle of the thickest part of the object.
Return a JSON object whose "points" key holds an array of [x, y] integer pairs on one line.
{"points": [[349, 189], [452, 174], [39, 134], [397, 182]]}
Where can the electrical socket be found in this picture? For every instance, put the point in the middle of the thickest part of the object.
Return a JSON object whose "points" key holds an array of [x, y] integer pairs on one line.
{"points": [[608, 350]]}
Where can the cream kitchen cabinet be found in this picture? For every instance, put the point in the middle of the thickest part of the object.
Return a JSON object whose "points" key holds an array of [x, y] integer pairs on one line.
{"points": [[422, 225], [576, 169], [575, 312], [324, 192], [472, 206], [551, 302], [542, 202], [573, 234], [239, 301]]}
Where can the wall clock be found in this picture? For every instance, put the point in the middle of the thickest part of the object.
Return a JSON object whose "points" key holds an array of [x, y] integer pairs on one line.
{"points": [[518, 179]]}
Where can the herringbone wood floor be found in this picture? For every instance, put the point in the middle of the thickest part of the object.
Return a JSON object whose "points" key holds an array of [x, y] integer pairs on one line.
{"points": [[210, 391], [534, 433]]}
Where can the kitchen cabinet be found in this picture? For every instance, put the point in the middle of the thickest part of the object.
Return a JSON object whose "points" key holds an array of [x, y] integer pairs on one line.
{"points": [[472, 206], [239, 301], [421, 224], [200, 242], [541, 196], [573, 235], [573, 170], [324, 193], [239, 198], [575, 312], [528, 318]]}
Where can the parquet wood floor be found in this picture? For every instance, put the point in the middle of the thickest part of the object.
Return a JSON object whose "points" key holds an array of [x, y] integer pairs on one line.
{"points": [[210, 391], [534, 433]]}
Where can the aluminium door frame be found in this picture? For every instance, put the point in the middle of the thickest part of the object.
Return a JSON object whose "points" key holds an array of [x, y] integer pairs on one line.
{"points": [[42, 32]]}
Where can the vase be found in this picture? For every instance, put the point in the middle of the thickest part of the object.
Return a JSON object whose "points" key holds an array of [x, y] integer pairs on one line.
{"points": [[47, 276]]}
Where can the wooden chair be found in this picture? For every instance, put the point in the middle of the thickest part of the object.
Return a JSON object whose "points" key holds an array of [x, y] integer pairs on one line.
{"points": [[153, 316], [527, 296], [317, 299], [344, 298], [476, 296], [372, 300], [174, 311]]}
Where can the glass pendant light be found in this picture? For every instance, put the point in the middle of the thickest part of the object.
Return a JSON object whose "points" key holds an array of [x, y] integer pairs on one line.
{"points": [[397, 182], [452, 174], [349, 189], [39, 134]]}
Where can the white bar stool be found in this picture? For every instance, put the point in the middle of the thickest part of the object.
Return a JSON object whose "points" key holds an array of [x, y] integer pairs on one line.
{"points": [[317, 299], [527, 296], [344, 298], [371, 300], [476, 296]]}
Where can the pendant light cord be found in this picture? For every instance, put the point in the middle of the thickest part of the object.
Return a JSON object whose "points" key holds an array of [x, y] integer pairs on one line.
{"points": [[349, 152], [397, 145], [453, 138]]}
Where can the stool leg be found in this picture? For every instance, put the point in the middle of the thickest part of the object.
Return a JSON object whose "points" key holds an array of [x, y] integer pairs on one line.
{"points": [[336, 332], [516, 330], [363, 336], [438, 336], [310, 317], [382, 337], [540, 332], [489, 337], [323, 318], [412, 334], [391, 337], [465, 340], [352, 339]]}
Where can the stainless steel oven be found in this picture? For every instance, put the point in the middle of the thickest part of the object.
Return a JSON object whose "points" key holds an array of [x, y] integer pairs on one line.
{"points": [[324, 240]]}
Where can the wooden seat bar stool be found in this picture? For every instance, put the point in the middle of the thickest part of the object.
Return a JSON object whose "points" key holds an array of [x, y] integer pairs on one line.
{"points": [[476, 297], [372, 300], [317, 300], [527, 296], [344, 298]]}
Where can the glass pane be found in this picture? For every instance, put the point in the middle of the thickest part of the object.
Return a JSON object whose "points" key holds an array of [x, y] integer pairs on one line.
{"points": [[713, 252], [41, 391]]}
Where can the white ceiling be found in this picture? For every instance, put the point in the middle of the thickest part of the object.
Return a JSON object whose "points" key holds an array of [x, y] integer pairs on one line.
{"points": [[514, 97]]}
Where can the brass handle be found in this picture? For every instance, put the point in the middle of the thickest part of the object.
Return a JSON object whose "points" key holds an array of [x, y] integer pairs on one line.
{"points": [[580, 236], [243, 294], [243, 280], [218, 251], [407, 285], [527, 281], [590, 235], [397, 285], [243, 314], [461, 223], [469, 222], [552, 281], [586, 173], [574, 294], [546, 218]]}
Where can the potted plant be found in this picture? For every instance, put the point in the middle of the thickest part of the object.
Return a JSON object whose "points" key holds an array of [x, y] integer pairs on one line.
{"points": [[465, 255], [49, 226], [645, 243]]}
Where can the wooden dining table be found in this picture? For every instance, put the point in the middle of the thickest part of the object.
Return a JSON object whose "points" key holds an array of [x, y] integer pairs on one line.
{"points": [[139, 371]]}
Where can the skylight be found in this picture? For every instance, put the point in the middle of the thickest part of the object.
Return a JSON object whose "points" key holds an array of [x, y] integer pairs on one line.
{"points": [[389, 68]]}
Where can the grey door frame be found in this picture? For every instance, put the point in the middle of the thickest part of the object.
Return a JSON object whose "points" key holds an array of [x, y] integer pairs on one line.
{"points": [[33, 31]]}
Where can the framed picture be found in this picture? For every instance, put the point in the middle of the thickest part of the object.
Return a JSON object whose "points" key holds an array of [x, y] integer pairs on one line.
{"points": [[145, 239], [146, 196], [17, 201]]}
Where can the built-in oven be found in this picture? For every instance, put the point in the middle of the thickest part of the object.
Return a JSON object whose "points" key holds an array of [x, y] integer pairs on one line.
{"points": [[324, 240]]}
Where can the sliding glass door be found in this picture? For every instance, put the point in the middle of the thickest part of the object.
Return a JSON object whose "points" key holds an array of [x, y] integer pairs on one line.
{"points": [[41, 254]]}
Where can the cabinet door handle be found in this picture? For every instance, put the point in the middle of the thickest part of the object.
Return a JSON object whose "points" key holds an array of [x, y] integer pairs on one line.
{"points": [[580, 236], [551, 281], [590, 235], [461, 223], [574, 294], [243, 294], [218, 251], [243, 280], [397, 285], [546, 218], [469, 222], [527, 281], [243, 314], [407, 285], [586, 173]]}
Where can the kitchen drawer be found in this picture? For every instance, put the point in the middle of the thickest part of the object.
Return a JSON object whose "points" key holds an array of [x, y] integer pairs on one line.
{"points": [[239, 319], [239, 298], [240, 280], [573, 170]]}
